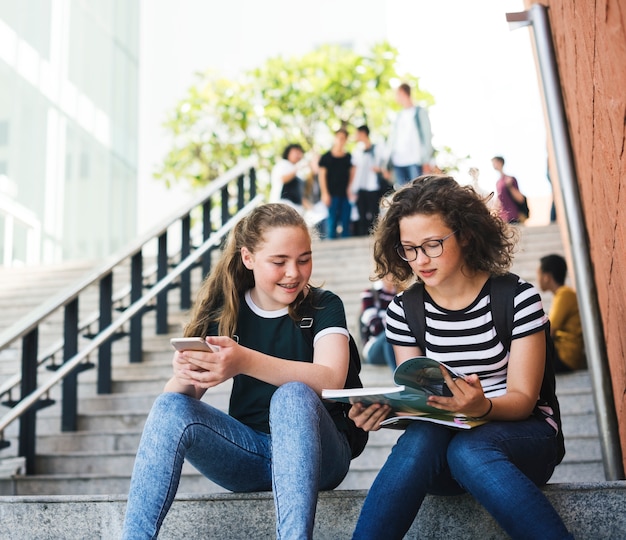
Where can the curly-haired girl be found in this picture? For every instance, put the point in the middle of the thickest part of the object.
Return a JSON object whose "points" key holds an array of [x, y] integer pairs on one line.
{"points": [[443, 235]]}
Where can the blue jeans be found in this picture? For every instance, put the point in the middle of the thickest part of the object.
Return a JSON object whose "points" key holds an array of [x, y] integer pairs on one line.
{"points": [[339, 213], [501, 464], [404, 174], [381, 352], [304, 454]]}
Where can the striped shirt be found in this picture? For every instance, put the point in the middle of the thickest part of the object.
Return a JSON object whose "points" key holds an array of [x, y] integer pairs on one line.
{"points": [[466, 339]]}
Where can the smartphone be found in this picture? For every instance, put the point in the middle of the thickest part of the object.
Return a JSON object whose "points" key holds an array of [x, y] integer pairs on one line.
{"points": [[191, 344]]}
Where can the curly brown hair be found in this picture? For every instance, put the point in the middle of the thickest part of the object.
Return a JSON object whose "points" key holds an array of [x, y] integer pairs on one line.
{"points": [[486, 241]]}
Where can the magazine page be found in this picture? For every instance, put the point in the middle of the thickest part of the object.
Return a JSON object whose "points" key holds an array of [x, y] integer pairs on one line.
{"points": [[457, 422], [416, 379], [400, 398], [424, 374]]}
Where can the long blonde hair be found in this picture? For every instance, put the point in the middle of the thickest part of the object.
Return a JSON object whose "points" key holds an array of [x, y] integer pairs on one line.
{"points": [[218, 298]]}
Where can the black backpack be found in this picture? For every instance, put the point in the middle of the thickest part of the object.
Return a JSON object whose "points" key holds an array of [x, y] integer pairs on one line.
{"points": [[502, 296], [357, 437]]}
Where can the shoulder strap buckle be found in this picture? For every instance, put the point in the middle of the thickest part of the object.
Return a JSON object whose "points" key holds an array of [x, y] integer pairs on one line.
{"points": [[306, 322]]}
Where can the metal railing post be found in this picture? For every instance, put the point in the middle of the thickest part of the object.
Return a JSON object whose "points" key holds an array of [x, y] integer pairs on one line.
{"points": [[241, 192], [207, 229], [252, 183], [70, 348], [185, 250], [225, 205], [28, 422], [105, 319], [161, 299], [136, 323]]}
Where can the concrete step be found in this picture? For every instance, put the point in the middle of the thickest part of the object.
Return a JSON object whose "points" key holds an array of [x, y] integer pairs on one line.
{"points": [[191, 482], [590, 511]]}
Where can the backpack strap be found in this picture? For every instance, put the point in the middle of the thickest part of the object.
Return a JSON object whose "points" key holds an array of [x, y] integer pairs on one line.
{"points": [[502, 295], [413, 302], [418, 124]]}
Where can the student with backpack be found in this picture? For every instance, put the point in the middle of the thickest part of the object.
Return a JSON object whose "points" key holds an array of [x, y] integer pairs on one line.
{"points": [[442, 235], [372, 319], [255, 309]]}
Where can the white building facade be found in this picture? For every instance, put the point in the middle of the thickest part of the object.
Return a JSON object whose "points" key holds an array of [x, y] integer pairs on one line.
{"points": [[69, 72]]}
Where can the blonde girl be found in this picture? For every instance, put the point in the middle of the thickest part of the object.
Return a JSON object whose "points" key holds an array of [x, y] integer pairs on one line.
{"points": [[277, 435]]}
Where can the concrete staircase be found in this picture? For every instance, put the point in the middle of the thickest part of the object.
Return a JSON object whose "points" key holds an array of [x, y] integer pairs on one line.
{"points": [[82, 479]]}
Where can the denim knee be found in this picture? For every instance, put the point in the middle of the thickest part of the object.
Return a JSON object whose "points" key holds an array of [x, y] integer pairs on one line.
{"points": [[464, 453], [171, 404], [172, 413], [290, 396]]}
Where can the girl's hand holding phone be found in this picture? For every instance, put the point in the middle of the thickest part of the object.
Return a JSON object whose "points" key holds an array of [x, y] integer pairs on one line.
{"points": [[204, 370]]}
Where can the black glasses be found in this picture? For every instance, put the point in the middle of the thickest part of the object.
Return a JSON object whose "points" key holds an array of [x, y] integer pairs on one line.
{"points": [[432, 249]]}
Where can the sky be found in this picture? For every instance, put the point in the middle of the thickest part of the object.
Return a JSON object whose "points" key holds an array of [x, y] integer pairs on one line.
{"points": [[481, 73]]}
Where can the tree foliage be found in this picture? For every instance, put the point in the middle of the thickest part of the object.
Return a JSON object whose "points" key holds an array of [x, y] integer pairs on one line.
{"points": [[297, 99]]}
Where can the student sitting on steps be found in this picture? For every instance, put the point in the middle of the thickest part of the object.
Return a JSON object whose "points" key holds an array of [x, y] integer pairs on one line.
{"points": [[565, 325], [278, 434], [444, 235]]}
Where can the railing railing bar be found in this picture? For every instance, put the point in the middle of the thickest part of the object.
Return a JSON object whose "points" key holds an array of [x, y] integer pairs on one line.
{"points": [[31, 321], [106, 318], [94, 317], [214, 241]]}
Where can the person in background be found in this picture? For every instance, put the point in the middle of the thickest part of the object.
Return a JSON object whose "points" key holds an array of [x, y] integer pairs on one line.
{"points": [[508, 192], [410, 142], [287, 185], [443, 234], [336, 174], [565, 325], [370, 182], [372, 322], [278, 435]]}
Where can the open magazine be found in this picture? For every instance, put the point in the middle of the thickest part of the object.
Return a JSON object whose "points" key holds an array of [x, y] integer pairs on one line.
{"points": [[415, 379]]}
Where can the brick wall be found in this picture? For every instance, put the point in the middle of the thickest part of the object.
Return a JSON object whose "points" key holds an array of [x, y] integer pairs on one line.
{"points": [[590, 44]]}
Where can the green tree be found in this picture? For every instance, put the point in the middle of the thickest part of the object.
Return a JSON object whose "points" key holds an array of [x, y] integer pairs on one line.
{"points": [[293, 99]]}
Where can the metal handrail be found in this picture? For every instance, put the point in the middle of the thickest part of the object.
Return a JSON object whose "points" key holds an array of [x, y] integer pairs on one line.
{"points": [[75, 290], [588, 303], [142, 297], [128, 314], [32, 320], [57, 346]]}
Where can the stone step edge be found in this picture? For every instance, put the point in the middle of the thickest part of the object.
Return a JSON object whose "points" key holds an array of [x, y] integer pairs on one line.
{"points": [[616, 486], [590, 510]]}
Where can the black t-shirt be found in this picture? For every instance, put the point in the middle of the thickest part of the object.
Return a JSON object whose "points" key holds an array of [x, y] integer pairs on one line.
{"points": [[337, 173], [276, 334], [292, 191]]}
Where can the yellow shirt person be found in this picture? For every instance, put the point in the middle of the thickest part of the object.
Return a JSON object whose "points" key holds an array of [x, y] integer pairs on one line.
{"points": [[565, 325], [566, 328]]}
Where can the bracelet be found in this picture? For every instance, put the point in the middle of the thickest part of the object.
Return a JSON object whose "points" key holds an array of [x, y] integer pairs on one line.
{"points": [[487, 413]]}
